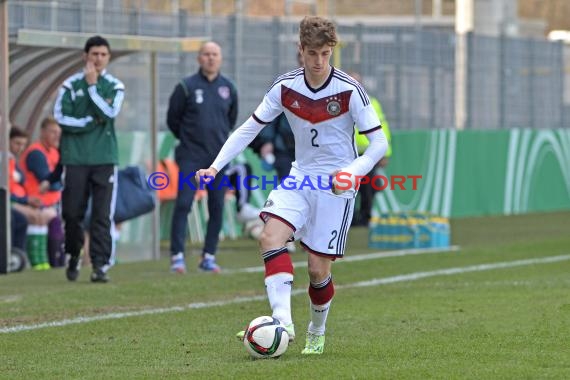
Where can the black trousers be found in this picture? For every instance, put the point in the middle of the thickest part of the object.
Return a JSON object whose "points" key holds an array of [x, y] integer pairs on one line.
{"points": [[366, 193], [81, 182], [183, 206]]}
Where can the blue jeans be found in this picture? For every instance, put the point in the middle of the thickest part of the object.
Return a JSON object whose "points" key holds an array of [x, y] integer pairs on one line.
{"points": [[183, 206]]}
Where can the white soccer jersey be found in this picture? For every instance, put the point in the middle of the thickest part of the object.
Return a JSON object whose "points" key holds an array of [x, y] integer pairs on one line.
{"points": [[322, 119]]}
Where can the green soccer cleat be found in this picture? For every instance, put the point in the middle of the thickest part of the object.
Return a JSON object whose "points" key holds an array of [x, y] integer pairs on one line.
{"points": [[315, 344], [290, 328]]}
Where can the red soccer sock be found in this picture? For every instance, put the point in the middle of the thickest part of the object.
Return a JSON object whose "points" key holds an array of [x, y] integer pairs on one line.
{"points": [[323, 292], [277, 261], [278, 283], [321, 298]]}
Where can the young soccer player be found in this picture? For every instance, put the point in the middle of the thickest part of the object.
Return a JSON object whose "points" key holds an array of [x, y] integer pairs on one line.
{"points": [[322, 104]]}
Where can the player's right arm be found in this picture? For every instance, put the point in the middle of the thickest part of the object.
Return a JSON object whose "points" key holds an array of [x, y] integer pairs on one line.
{"points": [[268, 110], [237, 142]]}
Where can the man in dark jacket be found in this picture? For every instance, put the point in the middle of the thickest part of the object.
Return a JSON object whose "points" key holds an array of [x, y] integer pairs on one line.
{"points": [[86, 107], [202, 111]]}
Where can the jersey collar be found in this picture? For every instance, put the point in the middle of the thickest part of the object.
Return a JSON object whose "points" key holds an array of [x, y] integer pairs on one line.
{"points": [[324, 85]]}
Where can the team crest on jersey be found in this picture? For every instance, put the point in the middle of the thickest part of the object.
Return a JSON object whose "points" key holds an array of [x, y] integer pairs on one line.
{"points": [[199, 93], [333, 108], [315, 110], [224, 92]]}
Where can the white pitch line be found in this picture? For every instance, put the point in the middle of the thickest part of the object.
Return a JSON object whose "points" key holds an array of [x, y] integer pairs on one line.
{"points": [[362, 257], [374, 282], [458, 270]]}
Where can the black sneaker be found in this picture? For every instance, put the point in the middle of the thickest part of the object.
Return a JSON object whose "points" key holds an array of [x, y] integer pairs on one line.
{"points": [[72, 271], [99, 276]]}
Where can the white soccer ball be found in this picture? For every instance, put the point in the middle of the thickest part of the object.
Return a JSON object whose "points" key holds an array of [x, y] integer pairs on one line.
{"points": [[266, 337], [253, 228]]}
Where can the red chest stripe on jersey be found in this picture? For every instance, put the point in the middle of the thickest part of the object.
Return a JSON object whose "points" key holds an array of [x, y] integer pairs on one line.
{"points": [[315, 111]]}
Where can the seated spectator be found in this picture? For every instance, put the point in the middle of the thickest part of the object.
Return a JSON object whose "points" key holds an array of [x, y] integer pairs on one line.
{"points": [[30, 206], [40, 165]]}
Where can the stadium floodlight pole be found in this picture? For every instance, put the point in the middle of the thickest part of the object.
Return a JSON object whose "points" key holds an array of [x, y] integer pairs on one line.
{"points": [[5, 244], [464, 13]]}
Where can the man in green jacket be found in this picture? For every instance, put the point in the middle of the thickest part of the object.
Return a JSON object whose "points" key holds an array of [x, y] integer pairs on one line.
{"points": [[86, 107]]}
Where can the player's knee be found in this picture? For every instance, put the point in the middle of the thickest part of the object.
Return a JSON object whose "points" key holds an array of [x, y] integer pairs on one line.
{"points": [[318, 275], [269, 240]]}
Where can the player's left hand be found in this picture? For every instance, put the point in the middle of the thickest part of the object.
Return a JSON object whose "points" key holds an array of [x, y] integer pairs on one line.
{"points": [[383, 162]]}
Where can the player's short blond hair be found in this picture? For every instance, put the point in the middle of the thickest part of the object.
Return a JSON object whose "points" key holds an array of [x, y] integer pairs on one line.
{"points": [[316, 32], [48, 120]]}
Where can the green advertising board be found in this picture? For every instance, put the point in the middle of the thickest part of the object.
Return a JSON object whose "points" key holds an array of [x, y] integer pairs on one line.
{"points": [[480, 172], [463, 173]]}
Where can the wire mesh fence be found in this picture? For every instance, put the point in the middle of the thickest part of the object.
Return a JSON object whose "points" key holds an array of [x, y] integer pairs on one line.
{"points": [[511, 82]]}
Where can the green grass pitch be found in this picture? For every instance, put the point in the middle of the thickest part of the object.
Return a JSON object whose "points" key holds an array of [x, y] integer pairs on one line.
{"points": [[391, 318]]}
